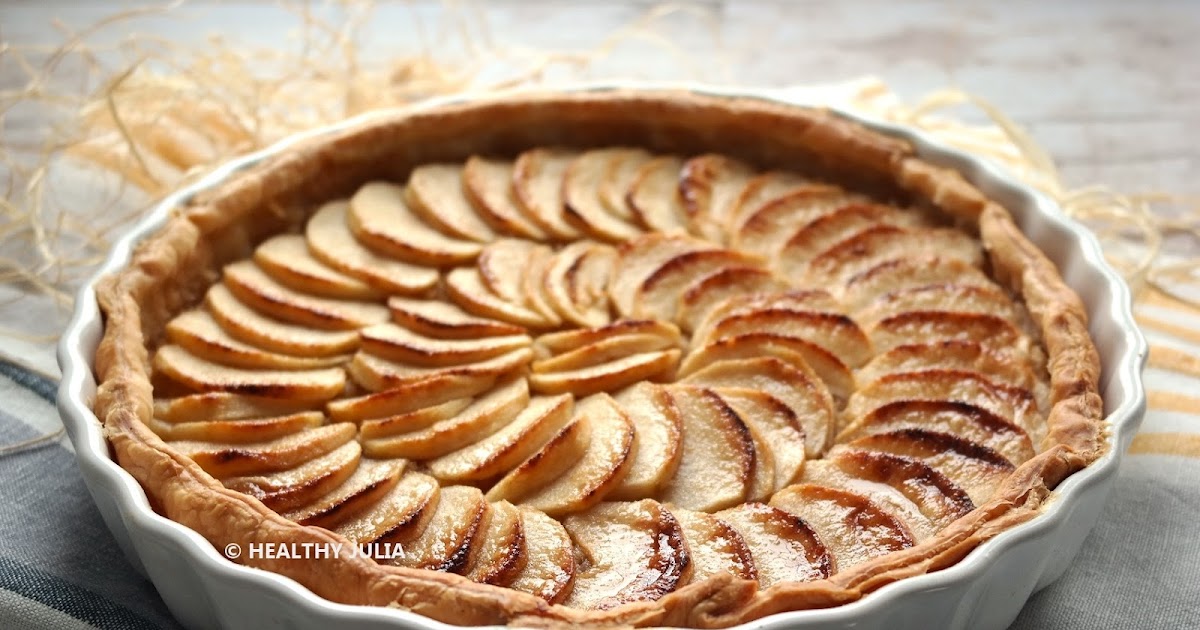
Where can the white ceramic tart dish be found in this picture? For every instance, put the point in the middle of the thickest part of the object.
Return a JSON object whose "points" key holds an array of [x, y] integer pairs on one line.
{"points": [[872, 381]]}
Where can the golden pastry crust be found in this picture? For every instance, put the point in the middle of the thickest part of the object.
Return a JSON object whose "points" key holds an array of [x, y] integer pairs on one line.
{"points": [[170, 270]]}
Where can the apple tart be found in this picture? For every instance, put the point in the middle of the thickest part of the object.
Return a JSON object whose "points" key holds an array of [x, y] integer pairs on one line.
{"points": [[609, 358]]}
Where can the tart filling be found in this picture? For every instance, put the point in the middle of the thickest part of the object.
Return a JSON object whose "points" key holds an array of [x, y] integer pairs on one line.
{"points": [[642, 385]]}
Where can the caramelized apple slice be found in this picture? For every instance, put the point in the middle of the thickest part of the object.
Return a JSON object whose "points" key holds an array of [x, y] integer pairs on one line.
{"points": [[715, 547], [489, 188], [835, 332], [602, 467], [760, 191], [364, 488], [929, 326], [977, 469], [502, 265], [603, 351], [501, 553], [948, 297], [653, 195], [767, 229], [197, 332], [481, 418], [550, 560], [505, 449], [288, 260], [850, 526], [381, 219], [874, 245], [225, 460], [563, 280], [396, 343], [717, 459], [437, 194], [466, 288], [331, 241], [784, 547], [802, 393], [452, 533], [415, 396], [817, 300], [609, 376], [938, 498], [563, 451], [641, 257], [827, 230], [763, 482], [710, 291], [782, 435], [238, 431], [798, 353], [659, 433], [212, 406], [256, 289], [446, 321], [659, 294], [909, 271], [1000, 366], [710, 185], [583, 207], [412, 420], [247, 325], [399, 516], [292, 488], [633, 552], [619, 176], [956, 418], [533, 284], [568, 340], [827, 473], [538, 186], [377, 374], [184, 368]]}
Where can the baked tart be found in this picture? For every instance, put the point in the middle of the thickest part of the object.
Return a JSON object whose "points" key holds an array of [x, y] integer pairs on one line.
{"points": [[611, 358]]}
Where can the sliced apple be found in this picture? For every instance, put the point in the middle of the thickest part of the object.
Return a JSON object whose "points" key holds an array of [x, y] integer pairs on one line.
{"points": [[538, 185], [828, 474], [446, 321], [600, 470], [985, 329], [413, 420], [550, 560], [659, 431], [763, 482], [418, 395], [653, 195], [369, 483], [566, 288], [466, 288], [641, 257], [798, 353], [817, 300], [287, 259], [225, 460], [213, 406], [197, 332], [603, 351], [249, 326], [584, 207], [715, 547], [381, 219], [871, 246], [806, 396], [187, 369], [500, 556], [563, 451], [762, 190], [975, 468], [956, 418], [238, 431], [608, 376], [331, 241], [452, 534], [534, 286], [633, 552], [619, 176], [939, 499], [782, 434], [377, 374], [909, 271], [399, 516], [294, 487], [784, 547], [483, 417], [717, 459], [657, 297], [710, 291], [249, 284], [949, 297], [567, 340], [850, 526], [437, 194], [767, 229], [999, 365], [502, 265], [710, 185], [397, 343], [834, 332], [827, 230], [494, 455], [489, 188]]}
